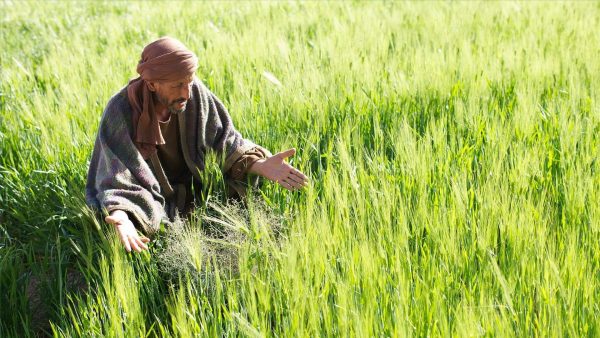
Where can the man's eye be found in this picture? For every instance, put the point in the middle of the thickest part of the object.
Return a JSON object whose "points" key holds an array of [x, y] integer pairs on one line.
{"points": [[182, 84]]}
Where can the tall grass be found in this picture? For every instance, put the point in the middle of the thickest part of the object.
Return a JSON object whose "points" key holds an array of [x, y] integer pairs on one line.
{"points": [[452, 149]]}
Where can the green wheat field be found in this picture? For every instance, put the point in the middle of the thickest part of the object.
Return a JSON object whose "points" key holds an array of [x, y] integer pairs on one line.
{"points": [[453, 152]]}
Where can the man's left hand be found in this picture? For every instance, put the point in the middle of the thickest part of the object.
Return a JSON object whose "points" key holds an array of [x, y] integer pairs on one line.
{"points": [[276, 169]]}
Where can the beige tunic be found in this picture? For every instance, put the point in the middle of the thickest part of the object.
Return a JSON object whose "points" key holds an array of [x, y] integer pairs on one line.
{"points": [[173, 163]]}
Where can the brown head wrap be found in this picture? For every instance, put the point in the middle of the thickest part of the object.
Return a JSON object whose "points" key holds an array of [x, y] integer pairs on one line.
{"points": [[165, 59]]}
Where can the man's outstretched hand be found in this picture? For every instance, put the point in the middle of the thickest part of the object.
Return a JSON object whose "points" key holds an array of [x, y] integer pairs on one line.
{"points": [[127, 231], [276, 169]]}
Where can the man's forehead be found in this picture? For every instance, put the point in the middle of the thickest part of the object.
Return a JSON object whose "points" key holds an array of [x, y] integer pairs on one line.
{"points": [[186, 79]]}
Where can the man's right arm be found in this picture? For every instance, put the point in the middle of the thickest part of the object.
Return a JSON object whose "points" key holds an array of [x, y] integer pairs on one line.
{"points": [[119, 180]]}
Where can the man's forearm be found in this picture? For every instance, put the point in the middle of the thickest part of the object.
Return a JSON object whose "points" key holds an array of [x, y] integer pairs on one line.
{"points": [[256, 167]]}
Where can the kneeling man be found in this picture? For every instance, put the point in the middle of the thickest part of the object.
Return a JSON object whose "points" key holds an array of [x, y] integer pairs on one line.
{"points": [[152, 141]]}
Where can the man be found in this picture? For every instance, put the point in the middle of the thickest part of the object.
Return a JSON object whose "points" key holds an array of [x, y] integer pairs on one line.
{"points": [[152, 141]]}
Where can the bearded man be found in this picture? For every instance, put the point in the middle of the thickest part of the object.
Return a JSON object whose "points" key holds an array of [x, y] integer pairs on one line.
{"points": [[152, 141]]}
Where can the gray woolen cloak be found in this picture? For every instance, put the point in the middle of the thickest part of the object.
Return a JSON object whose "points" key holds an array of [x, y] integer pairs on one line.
{"points": [[120, 179]]}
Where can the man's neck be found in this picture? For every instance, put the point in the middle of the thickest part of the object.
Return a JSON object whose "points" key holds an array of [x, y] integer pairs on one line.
{"points": [[164, 116], [162, 113]]}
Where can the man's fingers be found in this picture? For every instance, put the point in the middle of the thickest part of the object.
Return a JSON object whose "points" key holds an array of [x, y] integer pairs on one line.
{"points": [[140, 243], [125, 242], [295, 181], [286, 153], [123, 239], [286, 185], [134, 245], [296, 185], [293, 185], [300, 174], [110, 219], [130, 238], [298, 179]]}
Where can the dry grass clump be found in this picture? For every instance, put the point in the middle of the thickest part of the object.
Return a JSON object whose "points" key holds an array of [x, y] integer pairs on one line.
{"points": [[214, 237]]}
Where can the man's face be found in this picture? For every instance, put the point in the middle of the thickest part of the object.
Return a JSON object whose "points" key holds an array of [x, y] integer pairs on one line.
{"points": [[174, 94]]}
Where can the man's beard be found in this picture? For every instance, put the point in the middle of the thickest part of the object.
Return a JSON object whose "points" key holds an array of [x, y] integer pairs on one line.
{"points": [[172, 106]]}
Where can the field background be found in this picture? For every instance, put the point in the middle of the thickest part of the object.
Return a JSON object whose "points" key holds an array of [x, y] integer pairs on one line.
{"points": [[453, 152]]}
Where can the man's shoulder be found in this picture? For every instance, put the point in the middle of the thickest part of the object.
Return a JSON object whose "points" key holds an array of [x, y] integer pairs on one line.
{"points": [[200, 86], [118, 106], [197, 82], [117, 111], [119, 101]]}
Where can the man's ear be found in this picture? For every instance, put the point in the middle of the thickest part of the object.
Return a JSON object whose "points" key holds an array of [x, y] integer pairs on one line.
{"points": [[151, 86]]}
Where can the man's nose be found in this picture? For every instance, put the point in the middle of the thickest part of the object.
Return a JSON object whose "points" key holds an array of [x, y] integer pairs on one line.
{"points": [[185, 92]]}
